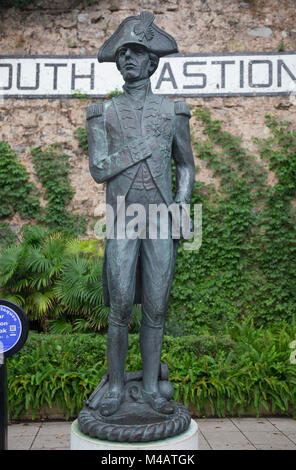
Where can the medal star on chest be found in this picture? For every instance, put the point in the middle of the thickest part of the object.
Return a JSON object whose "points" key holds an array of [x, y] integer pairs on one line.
{"points": [[158, 125]]}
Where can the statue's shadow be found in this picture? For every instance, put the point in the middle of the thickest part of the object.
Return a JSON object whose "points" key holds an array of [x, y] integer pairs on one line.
{"points": [[134, 421]]}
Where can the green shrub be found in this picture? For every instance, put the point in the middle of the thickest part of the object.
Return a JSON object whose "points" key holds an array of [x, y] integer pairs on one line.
{"points": [[56, 279], [239, 370], [60, 370]]}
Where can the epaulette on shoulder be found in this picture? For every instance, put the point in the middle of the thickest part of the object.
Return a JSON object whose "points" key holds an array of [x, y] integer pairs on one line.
{"points": [[94, 110], [181, 107]]}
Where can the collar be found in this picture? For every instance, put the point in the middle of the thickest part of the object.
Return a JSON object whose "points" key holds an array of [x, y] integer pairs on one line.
{"points": [[139, 89]]}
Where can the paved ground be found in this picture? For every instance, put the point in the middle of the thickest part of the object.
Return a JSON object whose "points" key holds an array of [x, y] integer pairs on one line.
{"points": [[214, 434]]}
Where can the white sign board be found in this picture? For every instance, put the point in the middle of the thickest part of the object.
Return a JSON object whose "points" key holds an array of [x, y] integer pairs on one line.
{"points": [[177, 75]]}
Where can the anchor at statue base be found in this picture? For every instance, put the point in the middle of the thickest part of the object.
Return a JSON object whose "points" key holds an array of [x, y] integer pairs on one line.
{"points": [[135, 420]]}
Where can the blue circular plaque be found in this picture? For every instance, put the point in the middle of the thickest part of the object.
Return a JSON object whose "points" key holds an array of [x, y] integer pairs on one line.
{"points": [[13, 328]]}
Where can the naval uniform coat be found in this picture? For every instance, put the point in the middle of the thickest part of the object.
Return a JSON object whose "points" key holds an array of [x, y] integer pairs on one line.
{"points": [[118, 142]]}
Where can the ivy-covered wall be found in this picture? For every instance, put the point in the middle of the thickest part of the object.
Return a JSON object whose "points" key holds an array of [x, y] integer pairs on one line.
{"points": [[247, 261]]}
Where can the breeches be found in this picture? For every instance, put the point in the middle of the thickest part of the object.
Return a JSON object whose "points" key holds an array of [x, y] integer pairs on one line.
{"points": [[156, 266]]}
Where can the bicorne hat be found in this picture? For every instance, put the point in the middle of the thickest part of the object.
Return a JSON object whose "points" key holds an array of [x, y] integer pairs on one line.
{"points": [[138, 30]]}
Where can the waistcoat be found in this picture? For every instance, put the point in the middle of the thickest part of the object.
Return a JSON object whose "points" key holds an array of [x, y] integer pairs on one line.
{"points": [[157, 123]]}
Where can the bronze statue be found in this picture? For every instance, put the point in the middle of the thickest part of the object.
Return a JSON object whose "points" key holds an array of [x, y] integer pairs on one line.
{"points": [[132, 139]]}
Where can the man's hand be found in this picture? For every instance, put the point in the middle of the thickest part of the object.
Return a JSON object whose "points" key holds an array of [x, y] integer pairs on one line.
{"points": [[139, 148]]}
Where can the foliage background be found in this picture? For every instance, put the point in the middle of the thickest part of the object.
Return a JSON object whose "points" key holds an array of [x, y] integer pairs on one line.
{"points": [[244, 370]]}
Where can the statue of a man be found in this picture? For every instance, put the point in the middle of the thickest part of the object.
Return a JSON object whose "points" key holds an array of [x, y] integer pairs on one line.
{"points": [[132, 138]]}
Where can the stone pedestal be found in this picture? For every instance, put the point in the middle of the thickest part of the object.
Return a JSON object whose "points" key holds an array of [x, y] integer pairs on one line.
{"points": [[187, 440]]}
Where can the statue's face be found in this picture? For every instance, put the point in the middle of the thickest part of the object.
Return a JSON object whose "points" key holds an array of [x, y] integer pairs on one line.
{"points": [[133, 62]]}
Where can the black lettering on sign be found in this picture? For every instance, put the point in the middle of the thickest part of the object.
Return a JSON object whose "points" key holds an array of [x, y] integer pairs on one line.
{"points": [[281, 65], [241, 74], [18, 78], [223, 64], [91, 76], [9, 84], [260, 85], [190, 74], [237, 74], [170, 78], [55, 73]]}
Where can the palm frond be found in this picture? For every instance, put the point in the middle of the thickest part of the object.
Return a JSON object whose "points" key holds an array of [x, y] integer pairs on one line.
{"points": [[60, 326], [10, 260], [33, 235], [98, 318], [37, 261], [79, 284], [40, 302], [73, 246], [81, 325], [16, 298]]}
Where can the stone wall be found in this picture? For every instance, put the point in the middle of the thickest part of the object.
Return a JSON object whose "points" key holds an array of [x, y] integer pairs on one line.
{"points": [[72, 27]]}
